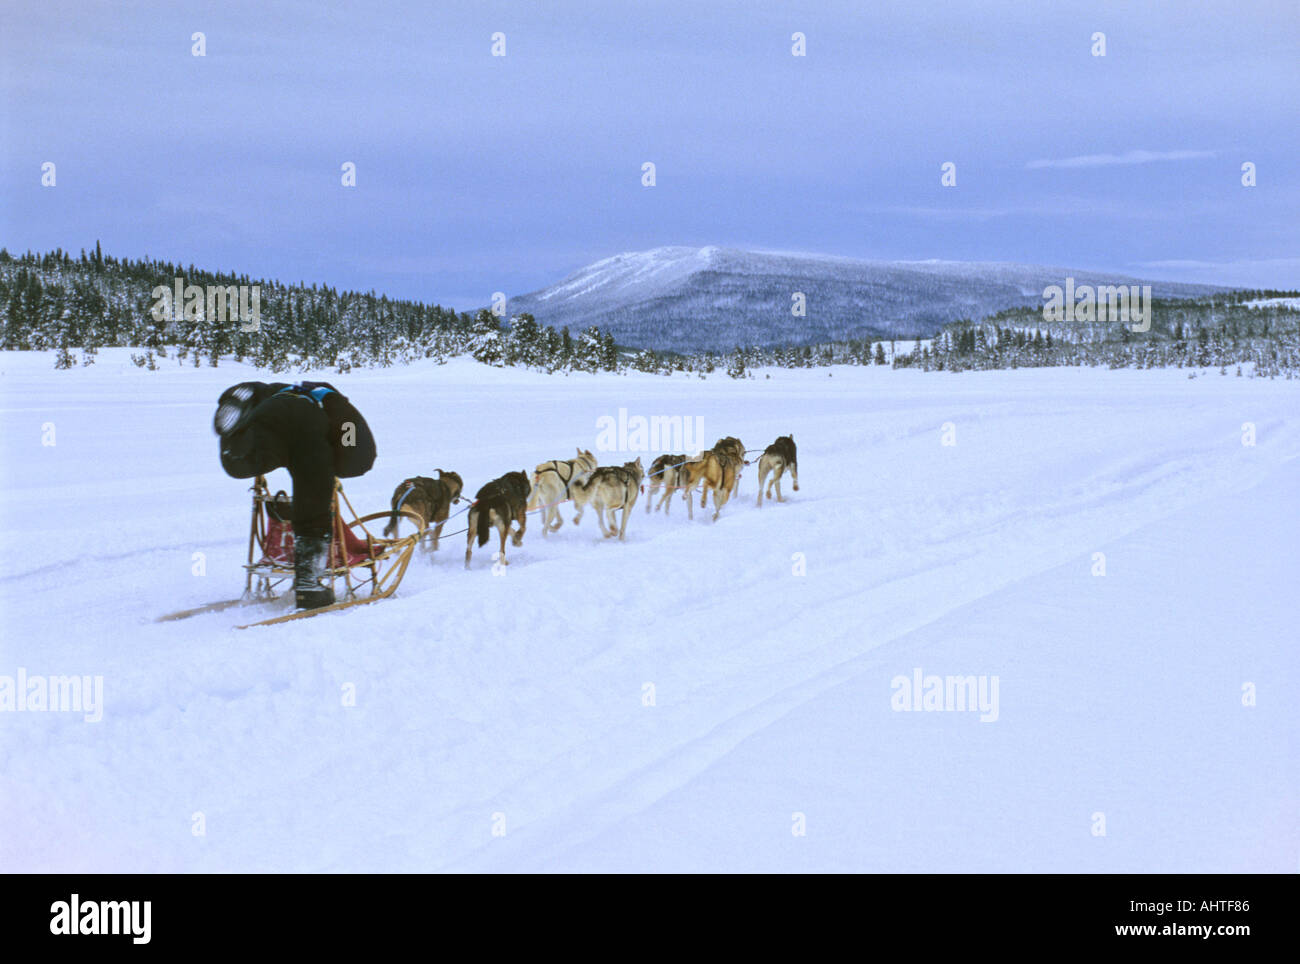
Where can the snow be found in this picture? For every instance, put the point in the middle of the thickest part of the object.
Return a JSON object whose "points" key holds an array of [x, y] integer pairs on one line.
{"points": [[712, 298], [632, 273], [487, 701]]}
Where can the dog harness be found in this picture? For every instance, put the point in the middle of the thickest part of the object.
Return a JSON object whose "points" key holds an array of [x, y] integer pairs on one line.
{"points": [[556, 469], [410, 487], [627, 478]]}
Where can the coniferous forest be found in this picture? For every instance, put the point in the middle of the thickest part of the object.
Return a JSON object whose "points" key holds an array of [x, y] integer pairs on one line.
{"points": [[75, 305]]}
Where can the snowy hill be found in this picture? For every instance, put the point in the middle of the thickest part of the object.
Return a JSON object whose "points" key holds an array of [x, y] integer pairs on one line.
{"points": [[689, 299], [502, 721]]}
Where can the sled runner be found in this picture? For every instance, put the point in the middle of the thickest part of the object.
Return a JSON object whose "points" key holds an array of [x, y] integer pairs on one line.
{"points": [[363, 567]]}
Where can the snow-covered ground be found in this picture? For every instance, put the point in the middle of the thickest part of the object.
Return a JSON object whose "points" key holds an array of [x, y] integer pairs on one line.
{"points": [[704, 696]]}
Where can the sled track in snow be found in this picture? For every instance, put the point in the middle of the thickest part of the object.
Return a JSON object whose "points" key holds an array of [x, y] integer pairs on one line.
{"points": [[83, 561]]}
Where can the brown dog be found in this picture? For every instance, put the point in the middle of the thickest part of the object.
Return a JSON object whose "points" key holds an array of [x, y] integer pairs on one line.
{"points": [[499, 503], [711, 470], [430, 499], [731, 447]]}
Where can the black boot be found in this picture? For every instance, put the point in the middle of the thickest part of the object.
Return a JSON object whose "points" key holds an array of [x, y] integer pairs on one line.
{"points": [[310, 557]]}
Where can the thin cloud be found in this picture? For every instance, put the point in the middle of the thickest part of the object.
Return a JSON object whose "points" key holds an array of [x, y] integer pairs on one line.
{"points": [[1281, 273], [1057, 207], [1289, 264], [1128, 157]]}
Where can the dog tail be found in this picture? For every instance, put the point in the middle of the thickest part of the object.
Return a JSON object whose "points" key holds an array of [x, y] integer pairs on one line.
{"points": [[483, 523], [398, 500]]}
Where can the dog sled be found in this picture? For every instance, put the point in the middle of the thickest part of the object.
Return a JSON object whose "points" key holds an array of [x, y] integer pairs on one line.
{"points": [[362, 567]]}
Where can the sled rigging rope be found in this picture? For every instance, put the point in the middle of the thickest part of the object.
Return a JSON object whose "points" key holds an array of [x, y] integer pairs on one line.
{"points": [[666, 468], [550, 505], [688, 461], [447, 535]]}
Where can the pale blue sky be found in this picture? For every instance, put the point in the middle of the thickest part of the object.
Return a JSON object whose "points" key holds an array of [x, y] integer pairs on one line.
{"points": [[477, 174]]}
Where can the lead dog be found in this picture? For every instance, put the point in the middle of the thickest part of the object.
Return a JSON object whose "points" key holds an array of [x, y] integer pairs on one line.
{"points": [[551, 483], [431, 499], [777, 458], [610, 488], [498, 503], [665, 471]]}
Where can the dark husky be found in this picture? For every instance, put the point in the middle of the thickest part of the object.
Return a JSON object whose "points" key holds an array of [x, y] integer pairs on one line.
{"points": [[499, 503], [776, 458], [431, 499]]}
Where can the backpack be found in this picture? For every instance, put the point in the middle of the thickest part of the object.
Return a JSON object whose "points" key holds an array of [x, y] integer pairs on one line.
{"points": [[354, 445]]}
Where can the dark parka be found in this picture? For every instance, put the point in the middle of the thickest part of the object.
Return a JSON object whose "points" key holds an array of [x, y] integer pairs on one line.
{"points": [[311, 429]]}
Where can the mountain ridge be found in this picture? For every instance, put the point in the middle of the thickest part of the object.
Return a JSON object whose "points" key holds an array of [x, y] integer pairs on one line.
{"points": [[681, 298]]}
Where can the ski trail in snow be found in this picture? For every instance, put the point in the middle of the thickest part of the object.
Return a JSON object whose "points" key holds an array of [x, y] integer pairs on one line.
{"points": [[522, 693]]}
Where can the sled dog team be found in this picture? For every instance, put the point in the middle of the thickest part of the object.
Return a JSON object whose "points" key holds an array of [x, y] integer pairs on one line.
{"points": [[605, 488]]}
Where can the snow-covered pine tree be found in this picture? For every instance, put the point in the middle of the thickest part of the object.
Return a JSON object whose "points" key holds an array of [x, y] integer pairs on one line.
{"points": [[485, 339], [736, 363]]}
